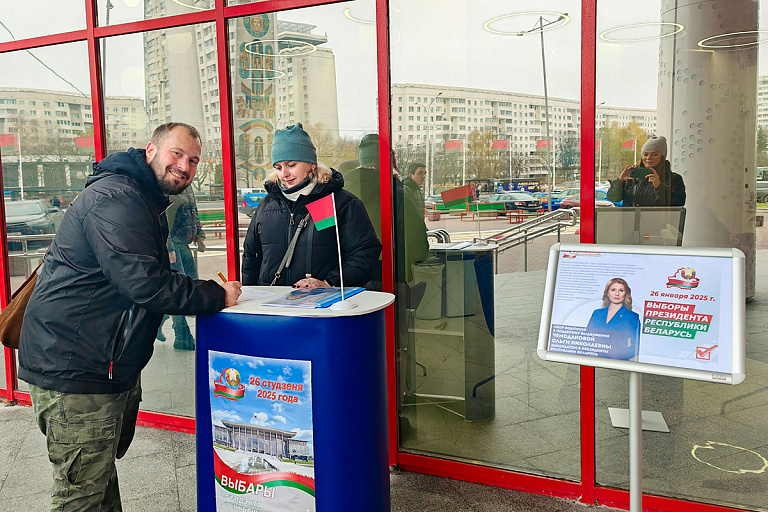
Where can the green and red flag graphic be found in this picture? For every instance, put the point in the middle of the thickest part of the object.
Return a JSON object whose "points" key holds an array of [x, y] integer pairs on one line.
{"points": [[458, 195], [500, 145], [322, 212], [228, 385], [542, 145], [629, 145], [84, 144], [242, 483], [453, 146], [8, 143]]}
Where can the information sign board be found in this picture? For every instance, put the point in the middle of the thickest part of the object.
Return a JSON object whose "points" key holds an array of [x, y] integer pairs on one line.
{"points": [[675, 311]]}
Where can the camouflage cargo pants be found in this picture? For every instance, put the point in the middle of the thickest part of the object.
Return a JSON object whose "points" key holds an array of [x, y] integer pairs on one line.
{"points": [[85, 433]]}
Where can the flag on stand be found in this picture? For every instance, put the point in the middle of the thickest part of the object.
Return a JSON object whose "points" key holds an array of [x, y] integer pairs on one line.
{"points": [[500, 145], [453, 146], [84, 144], [322, 212], [628, 145], [8, 143], [458, 195], [542, 145]]}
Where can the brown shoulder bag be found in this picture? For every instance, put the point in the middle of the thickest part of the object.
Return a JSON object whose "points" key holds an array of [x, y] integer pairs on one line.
{"points": [[13, 314]]}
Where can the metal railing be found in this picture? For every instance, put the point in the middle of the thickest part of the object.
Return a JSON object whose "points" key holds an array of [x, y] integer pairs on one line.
{"points": [[440, 235], [29, 259], [531, 229]]}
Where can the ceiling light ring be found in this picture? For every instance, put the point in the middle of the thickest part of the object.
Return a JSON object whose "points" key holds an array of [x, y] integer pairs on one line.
{"points": [[678, 26]]}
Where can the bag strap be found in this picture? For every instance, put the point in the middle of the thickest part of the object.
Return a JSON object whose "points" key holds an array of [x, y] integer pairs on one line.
{"points": [[291, 247]]}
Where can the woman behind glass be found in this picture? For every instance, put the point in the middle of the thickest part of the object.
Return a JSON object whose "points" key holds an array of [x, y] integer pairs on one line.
{"points": [[651, 184], [298, 179]]}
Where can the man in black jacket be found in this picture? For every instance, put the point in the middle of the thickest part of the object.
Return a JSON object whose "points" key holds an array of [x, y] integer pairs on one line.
{"points": [[91, 322]]}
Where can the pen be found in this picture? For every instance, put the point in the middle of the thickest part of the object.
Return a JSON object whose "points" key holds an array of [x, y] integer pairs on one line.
{"points": [[221, 276]]}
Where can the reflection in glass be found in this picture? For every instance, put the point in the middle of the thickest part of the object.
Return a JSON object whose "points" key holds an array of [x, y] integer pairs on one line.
{"points": [[705, 100], [41, 18], [111, 12], [472, 386], [45, 123]]}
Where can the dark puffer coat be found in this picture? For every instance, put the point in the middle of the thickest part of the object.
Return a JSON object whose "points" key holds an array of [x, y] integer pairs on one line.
{"points": [[641, 192], [274, 223], [92, 319]]}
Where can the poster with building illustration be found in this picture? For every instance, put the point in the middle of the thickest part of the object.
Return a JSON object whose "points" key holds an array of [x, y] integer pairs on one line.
{"points": [[650, 308], [261, 412]]}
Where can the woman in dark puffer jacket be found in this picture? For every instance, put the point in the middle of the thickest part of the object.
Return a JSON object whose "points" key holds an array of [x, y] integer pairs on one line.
{"points": [[298, 180]]}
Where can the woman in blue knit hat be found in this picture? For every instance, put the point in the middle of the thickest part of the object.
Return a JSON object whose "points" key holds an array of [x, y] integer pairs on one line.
{"points": [[283, 247]]}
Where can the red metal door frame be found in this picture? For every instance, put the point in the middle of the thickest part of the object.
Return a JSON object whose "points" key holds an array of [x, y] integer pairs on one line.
{"points": [[587, 490]]}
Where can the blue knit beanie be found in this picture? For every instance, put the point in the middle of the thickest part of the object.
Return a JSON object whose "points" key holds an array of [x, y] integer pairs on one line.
{"points": [[293, 144]]}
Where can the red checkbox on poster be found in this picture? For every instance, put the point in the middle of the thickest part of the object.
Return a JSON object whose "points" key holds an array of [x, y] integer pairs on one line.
{"points": [[704, 352]]}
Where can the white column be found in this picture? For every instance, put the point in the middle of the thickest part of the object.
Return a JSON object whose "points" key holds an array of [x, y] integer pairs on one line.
{"points": [[707, 103]]}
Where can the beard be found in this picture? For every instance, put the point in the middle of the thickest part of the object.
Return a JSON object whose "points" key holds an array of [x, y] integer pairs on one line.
{"points": [[168, 186]]}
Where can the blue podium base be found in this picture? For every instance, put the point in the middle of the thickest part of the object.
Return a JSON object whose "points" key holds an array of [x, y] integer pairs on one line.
{"points": [[348, 394]]}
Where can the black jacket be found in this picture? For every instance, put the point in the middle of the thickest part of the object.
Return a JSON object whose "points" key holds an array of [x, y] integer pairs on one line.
{"points": [[641, 192], [92, 319], [274, 223]]}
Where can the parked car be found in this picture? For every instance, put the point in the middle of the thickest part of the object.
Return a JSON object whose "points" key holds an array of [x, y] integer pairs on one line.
{"points": [[573, 201], [516, 201], [31, 217], [543, 197], [247, 202], [431, 201]]}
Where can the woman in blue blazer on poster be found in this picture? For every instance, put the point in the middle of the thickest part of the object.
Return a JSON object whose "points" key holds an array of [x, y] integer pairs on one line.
{"points": [[617, 317]]}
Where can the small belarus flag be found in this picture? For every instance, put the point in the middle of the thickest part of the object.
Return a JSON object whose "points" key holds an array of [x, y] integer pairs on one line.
{"points": [[84, 143], [453, 146], [628, 145], [8, 142], [500, 145], [458, 195], [542, 145], [322, 212]]}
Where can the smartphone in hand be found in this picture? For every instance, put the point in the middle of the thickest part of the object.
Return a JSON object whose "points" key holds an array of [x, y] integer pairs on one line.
{"points": [[637, 173]]}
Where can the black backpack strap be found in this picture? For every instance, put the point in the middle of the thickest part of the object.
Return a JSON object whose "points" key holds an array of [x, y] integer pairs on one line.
{"points": [[286, 262]]}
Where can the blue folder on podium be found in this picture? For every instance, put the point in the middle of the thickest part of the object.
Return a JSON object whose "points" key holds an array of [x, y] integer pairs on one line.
{"points": [[291, 407]]}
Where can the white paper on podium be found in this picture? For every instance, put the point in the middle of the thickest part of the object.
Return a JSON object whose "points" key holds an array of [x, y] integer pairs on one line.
{"points": [[253, 292]]}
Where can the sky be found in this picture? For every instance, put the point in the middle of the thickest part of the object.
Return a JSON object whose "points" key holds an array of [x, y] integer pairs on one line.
{"points": [[440, 42]]}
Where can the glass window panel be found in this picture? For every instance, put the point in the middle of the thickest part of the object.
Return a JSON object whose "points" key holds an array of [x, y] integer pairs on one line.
{"points": [[123, 11], [688, 73], [317, 67], [43, 108], [473, 387], [41, 18], [152, 78]]}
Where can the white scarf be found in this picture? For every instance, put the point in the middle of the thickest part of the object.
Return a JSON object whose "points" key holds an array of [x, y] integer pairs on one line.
{"points": [[304, 191]]}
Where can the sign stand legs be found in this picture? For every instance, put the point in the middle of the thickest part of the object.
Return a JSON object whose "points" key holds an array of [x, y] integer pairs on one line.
{"points": [[635, 442]]}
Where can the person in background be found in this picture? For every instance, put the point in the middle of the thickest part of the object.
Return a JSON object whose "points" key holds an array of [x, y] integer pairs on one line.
{"points": [[90, 325], [185, 229], [312, 259], [651, 184], [415, 229]]}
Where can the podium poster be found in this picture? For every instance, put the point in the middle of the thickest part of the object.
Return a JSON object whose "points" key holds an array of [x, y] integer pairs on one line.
{"points": [[665, 310], [261, 412]]}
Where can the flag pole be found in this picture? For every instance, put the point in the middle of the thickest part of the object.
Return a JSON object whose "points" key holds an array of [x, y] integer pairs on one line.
{"points": [[342, 304], [464, 165], [634, 150], [21, 174]]}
